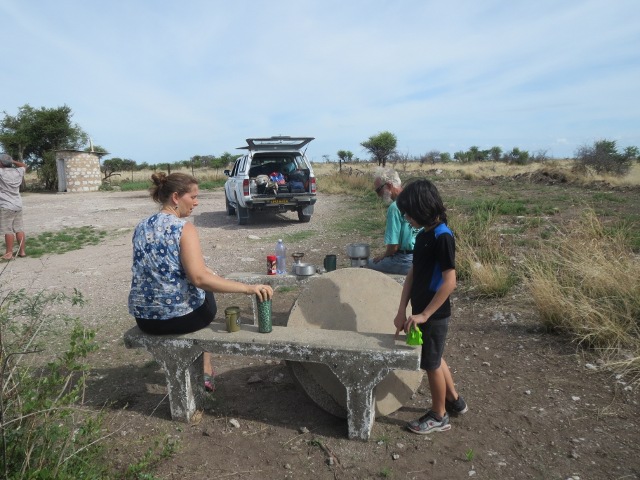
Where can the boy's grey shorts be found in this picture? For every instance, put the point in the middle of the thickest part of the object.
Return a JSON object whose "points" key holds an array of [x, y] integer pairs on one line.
{"points": [[434, 336], [10, 221]]}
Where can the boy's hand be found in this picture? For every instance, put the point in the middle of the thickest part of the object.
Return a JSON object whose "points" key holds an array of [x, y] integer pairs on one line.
{"points": [[399, 322], [413, 321]]}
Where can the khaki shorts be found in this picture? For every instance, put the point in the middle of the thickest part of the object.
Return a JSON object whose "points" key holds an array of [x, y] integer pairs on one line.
{"points": [[10, 221]]}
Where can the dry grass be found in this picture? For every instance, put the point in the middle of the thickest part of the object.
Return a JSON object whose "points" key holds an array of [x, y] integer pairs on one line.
{"points": [[485, 170], [335, 183], [465, 170], [587, 283], [481, 257], [491, 280]]}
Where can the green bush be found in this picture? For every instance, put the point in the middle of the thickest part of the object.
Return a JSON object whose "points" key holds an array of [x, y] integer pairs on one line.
{"points": [[45, 432], [603, 157]]}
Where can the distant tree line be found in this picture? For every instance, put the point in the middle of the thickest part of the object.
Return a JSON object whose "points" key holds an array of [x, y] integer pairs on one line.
{"points": [[116, 166], [602, 157], [33, 135]]}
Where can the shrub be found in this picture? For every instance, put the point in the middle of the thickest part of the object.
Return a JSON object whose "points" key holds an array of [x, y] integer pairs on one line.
{"points": [[45, 432], [603, 157]]}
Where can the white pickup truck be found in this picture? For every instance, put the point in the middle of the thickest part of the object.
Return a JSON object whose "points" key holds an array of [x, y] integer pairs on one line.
{"points": [[274, 175]]}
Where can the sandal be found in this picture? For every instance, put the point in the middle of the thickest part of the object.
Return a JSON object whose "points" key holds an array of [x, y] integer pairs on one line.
{"points": [[209, 383]]}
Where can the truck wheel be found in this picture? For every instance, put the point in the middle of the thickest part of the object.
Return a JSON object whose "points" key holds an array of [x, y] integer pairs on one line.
{"points": [[242, 214], [230, 209], [302, 217]]}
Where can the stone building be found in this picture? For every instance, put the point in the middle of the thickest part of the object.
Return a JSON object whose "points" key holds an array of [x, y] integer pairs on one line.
{"points": [[78, 171]]}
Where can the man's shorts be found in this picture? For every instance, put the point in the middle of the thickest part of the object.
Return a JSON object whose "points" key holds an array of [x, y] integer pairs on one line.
{"points": [[434, 336], [10, 221]]}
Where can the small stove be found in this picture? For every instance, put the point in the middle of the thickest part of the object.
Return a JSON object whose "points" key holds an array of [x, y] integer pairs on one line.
{"points": [[359, 262], [359, 254]]}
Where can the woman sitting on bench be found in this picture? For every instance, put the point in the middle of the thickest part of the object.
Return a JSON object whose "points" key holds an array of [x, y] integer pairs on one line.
{"points": [[171, 287]]}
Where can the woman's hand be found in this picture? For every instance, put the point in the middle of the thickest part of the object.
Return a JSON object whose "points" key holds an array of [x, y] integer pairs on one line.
{"points": [[263, 292]]}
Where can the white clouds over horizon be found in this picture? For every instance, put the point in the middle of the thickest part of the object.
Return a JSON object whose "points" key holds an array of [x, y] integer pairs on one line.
{"points": [[158, 81]]}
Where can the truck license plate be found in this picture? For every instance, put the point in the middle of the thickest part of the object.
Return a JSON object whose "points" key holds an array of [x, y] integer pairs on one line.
{"points": [[279, 200]]}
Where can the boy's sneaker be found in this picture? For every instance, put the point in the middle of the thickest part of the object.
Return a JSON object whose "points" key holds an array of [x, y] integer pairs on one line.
{"points": [[429, 423], [457, 407]]}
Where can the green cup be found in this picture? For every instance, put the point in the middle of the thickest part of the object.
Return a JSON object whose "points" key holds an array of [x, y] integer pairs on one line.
{"points": [[232, 317], [264, 316], [330, 263]]}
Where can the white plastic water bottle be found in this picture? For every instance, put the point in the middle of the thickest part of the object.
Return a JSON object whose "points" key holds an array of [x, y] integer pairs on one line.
{"points": [[281, 257]]}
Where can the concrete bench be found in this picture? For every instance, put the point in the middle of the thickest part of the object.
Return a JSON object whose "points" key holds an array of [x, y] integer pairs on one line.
{"points": [[359, 360]]}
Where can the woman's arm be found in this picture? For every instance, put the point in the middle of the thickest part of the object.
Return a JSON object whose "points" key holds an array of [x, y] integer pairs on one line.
{"points": [[203, 277]]}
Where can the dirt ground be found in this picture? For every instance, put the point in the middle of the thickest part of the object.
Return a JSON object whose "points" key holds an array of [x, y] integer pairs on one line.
{"points": [[539, 408]]}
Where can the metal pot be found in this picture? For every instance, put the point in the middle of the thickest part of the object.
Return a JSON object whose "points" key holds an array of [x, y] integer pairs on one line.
{"points": [[358, 250], [304, 269]]}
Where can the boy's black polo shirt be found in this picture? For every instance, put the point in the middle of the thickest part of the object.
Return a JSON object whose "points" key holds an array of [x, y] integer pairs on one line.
{"points": [[434, 252]]}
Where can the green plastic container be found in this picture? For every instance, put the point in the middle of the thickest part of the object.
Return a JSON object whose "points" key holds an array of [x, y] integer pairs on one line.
{"points": [[264, 316]]}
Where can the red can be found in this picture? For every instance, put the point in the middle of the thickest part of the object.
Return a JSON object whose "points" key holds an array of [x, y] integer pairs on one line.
{"points": [[271, 265]]}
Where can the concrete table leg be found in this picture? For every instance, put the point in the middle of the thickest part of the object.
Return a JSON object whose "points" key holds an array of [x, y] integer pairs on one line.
{"points": [[360, 406], [183, 371]]}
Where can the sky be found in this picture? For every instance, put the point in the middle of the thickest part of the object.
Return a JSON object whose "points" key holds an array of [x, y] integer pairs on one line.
{"points": [[161, 81]]}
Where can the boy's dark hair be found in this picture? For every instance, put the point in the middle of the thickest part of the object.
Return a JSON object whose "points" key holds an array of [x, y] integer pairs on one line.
{"points": [[421, 201]]}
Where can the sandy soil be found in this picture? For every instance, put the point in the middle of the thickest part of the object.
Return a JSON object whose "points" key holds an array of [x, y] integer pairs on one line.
{"points": [[537, 409]]}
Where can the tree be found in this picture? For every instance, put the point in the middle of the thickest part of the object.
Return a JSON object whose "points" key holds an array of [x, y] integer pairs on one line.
{"points": [[476, 155], [220, 162], [632, 153], [400, 158], [603, 157], [462, 157], [432, 157], [380, 146], [228, 158], [129, 165], [205, 161], [540, 156], [32, 133], [112, 166], [517, 156], [344, 156], [495, 154]]}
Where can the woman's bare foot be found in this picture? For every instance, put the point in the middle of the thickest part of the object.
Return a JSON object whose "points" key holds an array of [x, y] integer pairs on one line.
{"points": [[7, 256]]}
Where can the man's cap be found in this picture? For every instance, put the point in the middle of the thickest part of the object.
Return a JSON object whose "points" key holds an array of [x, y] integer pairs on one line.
{"points": [[6, 160]]}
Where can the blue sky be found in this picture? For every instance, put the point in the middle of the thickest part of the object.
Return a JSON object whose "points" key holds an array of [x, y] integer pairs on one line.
{"points": [[161, 81]]}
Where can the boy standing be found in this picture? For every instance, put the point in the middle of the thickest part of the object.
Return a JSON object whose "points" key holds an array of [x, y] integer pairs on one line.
{"points": [[428, 285]]}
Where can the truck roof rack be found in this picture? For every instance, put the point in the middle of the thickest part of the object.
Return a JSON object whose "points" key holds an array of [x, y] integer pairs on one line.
{"points": [[280, 142]]}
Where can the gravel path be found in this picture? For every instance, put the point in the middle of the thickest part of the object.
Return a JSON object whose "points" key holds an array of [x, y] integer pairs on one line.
{"points": [[102, 272]]}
